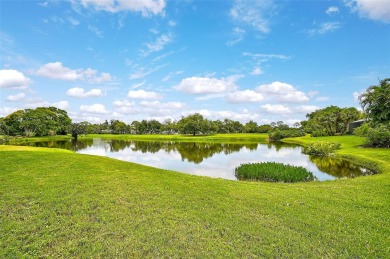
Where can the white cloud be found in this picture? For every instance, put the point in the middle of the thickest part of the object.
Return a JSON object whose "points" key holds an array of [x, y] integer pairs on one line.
{"points": [[13, 79], [79, 117], [210, 96], [80, 92], [243, 116], [244, 96], [378, 10], [56, 70], [322, 99], [332, 10], [162, 106], [255, 13], [275, 109], [73, 21], [146, 7], [94, 108], [124, 103], [171, 75], [265, 57], [142, 94], [305, 108], [158, 45], [238, 35], [16, 97], [172, 23], [324, 28], [63, 105], [134, 86], [142, 72], [97, 31], [356, 95], [207, 85], [282, 92], [6, 111], [125, 107], [257, 71]]}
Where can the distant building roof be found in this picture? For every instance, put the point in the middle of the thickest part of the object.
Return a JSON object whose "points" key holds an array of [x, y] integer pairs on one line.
{"points": [[362, 120]]}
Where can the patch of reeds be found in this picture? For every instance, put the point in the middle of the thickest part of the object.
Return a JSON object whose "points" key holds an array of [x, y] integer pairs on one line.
{"points": [[273, 172]]}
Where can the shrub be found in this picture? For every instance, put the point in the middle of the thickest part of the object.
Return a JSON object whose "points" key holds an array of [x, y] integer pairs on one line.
{"points": [[318, 133], [322, 148], [379, 137], [273, 172], [362, 130], [277, 134]]}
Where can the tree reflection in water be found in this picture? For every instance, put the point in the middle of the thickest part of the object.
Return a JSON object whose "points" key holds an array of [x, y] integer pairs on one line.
{"points": [[192, 151], [338, 168], [198, 152]]}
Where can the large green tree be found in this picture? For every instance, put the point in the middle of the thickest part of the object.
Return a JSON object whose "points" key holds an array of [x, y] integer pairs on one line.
{"points": [[375, 102], [194, 124], [331, 120], [76, 129], [36, 122]]}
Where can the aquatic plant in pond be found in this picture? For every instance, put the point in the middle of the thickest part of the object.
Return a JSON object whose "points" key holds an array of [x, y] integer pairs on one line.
{"points": [[273, 172], [322, 148]]}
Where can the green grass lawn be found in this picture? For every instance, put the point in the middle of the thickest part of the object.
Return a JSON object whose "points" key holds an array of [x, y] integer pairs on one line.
{"points": [[56, 203]]}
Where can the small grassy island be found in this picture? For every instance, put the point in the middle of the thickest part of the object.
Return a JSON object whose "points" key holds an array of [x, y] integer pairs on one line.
{"points": [[273, 172], [58, 203]]}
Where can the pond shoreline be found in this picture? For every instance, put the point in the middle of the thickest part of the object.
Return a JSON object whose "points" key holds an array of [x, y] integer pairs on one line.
{"points": [[207, 155]]}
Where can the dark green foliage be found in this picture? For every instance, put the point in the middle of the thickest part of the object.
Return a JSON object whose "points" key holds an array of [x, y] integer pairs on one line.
{"points": [[379, 136], [194, 124], [251, 127], [273, 172], [276, 135], [375, 102], [36, 122], [319, 133], [362, 130], [322, 148], [76, 129], [331, 120], [264, 128]]}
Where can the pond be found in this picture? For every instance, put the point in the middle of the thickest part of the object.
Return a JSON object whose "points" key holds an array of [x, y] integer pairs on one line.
{"points": [[209, 159]]}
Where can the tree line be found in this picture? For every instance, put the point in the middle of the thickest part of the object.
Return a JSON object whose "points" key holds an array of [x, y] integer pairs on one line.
{"points": [[329, 121], [44, 121]]}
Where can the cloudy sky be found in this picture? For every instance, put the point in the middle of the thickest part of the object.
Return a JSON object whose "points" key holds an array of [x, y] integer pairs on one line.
{"points": [[261, 60]]}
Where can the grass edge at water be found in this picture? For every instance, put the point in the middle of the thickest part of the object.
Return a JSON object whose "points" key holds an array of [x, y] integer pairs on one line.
{"points": [[99, 207]]}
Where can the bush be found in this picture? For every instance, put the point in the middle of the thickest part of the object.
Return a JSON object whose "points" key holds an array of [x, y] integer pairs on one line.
{"points": [[318, 133], [277, 134], [379, 137], [362, 130], [273, 172], [322, 148]]}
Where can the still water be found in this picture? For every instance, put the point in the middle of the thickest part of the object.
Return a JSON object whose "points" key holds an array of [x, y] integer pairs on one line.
{"points": [[209, 159]]}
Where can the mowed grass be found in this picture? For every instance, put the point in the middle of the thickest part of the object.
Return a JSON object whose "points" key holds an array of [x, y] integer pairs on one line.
{"points": [[56, 203]]}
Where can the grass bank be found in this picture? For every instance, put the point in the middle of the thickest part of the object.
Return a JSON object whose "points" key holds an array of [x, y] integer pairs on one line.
{"points": [[226, 138], [60, 204]]}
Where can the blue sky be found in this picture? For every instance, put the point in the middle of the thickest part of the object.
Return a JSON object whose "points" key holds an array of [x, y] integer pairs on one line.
{"points": [[263, 60]]}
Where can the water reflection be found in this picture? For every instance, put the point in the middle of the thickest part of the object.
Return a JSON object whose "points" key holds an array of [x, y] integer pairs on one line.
{"points": [[209, 159], [339, 168]]}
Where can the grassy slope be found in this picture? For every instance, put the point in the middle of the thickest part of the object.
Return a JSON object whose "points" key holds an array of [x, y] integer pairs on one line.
{"points": [[58, 203]]}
